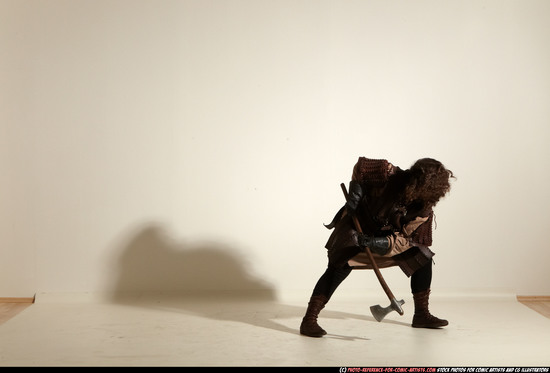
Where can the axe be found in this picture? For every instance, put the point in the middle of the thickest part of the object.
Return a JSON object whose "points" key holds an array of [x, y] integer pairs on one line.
{"points": [[377, 311]]}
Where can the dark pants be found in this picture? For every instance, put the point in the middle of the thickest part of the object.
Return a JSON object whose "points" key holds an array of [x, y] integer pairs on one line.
{"points": [[334, 275]]}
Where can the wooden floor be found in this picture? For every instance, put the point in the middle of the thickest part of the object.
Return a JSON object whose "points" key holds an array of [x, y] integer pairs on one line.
{"points": [[539, 304], [10, 307]]}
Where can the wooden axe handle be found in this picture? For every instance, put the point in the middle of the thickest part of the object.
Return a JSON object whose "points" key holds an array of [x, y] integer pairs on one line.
{"points": [[374, 265]]}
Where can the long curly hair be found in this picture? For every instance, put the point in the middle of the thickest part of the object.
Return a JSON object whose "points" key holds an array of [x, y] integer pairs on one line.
{"points": [[429, 181]]}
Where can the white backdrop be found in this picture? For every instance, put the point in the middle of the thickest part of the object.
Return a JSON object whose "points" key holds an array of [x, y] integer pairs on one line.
{"points": [[191, 145]]}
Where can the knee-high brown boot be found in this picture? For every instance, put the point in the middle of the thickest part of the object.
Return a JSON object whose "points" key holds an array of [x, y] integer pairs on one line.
{"points": [[309, 324], [422, 317]]}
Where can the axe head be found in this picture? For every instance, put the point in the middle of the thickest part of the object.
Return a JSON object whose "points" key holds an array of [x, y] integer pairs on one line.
{"points": [[380, 312]]}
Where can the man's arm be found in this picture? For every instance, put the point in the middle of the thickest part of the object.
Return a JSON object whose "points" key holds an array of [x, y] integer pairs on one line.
{"points": [[393, 244]]}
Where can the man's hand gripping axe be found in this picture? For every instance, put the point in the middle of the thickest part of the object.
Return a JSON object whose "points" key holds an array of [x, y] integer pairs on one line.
{"points": [[377, 311]]}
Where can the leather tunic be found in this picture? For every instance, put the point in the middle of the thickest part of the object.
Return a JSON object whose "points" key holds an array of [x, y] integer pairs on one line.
{"points": [[381, 213]]}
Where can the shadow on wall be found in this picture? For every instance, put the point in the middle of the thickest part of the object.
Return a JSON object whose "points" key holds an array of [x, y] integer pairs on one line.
{"points": [[152, 263], [207, 280]]}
